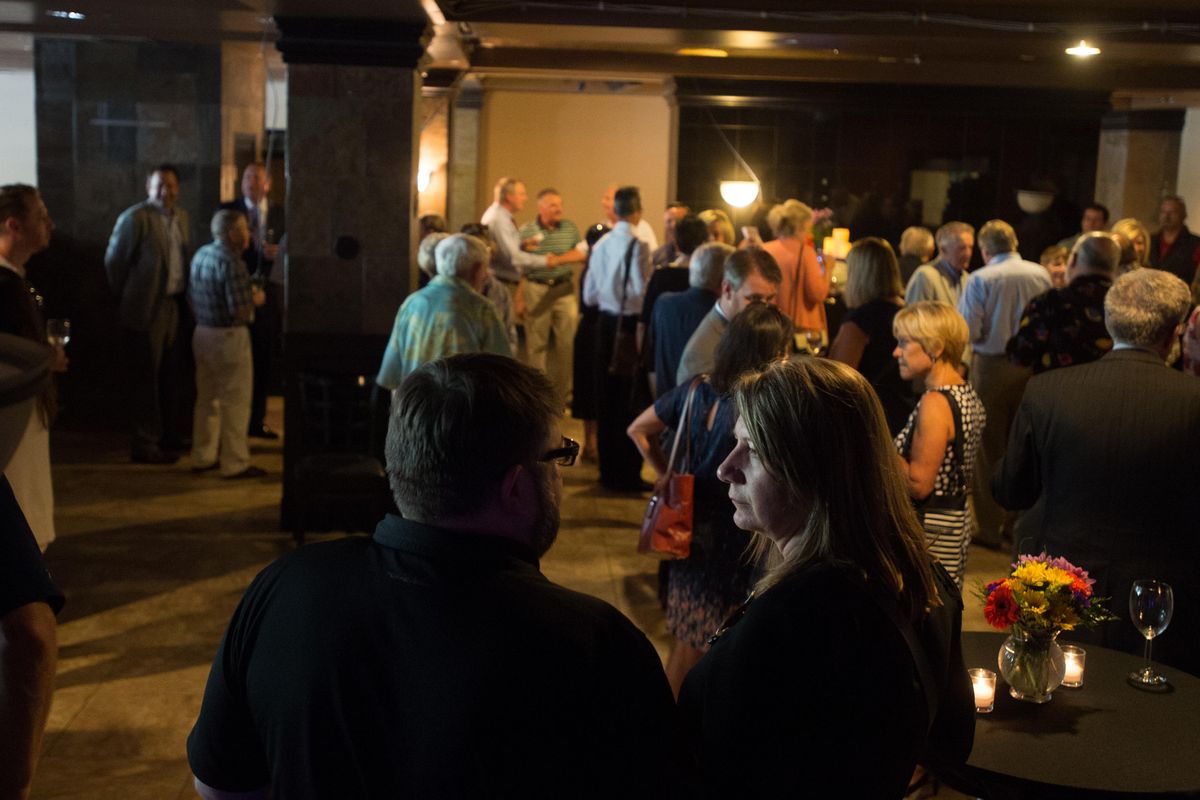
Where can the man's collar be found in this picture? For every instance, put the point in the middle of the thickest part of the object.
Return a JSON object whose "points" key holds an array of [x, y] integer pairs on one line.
{"points": [[429, 540], [545, 227], [720, 311], [996, 259], [947, 269], [6, 264]]}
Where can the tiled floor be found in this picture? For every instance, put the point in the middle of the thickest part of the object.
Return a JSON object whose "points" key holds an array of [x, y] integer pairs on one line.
{"points": [[153, 561]]}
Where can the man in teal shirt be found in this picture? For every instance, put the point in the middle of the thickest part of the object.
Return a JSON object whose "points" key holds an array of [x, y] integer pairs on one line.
{"points": [[551, 305], [446, 317]]}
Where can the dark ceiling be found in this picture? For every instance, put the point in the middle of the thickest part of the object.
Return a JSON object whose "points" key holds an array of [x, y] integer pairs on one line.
{"points": [[1148, 49]]}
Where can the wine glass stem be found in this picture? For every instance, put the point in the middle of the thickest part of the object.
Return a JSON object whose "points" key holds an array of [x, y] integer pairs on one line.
{"points": [[1149, 642]]}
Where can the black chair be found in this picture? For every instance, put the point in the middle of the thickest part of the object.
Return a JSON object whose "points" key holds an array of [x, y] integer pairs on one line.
{"points": [[340, 479]]}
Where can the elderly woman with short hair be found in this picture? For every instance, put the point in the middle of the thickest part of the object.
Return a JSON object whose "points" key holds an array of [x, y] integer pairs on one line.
{"points": [[720, 226], [844, 668], [938, 444], [805, 285], [1135, 233]]}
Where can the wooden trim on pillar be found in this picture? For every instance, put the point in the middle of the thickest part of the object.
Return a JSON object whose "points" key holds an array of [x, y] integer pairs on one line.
{"points": [[352, 42]]}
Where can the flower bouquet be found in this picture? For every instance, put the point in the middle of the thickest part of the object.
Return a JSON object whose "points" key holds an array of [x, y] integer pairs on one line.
{"points": [[1042, 597]]}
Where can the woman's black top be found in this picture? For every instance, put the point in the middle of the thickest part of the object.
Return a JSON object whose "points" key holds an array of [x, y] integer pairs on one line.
{"points": [[814, 685], [878, 365]]}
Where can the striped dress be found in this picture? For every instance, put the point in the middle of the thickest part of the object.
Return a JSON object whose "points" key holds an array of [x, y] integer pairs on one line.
{"points": [[946, 515]]}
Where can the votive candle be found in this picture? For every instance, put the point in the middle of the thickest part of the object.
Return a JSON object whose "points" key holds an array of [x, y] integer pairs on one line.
{"points": [[1075, 657], [983, 682]]}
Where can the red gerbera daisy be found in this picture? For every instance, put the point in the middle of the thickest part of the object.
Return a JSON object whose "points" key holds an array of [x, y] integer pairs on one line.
{"points": [[1001, 608]]}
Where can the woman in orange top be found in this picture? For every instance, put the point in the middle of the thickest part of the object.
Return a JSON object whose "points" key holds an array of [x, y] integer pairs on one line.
{"points": [[805, 285]]}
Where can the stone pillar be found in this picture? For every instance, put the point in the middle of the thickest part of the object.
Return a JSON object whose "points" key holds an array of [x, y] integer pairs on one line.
{"points": [[353, 128], [464, 155], [1138, 162], [243, 102]]}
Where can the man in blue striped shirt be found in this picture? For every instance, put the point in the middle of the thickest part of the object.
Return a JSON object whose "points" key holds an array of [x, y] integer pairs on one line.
{"points": [[223, 300]]}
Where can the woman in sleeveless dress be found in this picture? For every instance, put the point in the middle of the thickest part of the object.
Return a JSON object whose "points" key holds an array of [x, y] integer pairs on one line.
{"points": [[937, 446]]}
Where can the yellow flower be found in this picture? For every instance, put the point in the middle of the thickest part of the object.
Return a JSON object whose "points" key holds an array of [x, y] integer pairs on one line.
{"points": [[1035, 602], [1032, 572]]}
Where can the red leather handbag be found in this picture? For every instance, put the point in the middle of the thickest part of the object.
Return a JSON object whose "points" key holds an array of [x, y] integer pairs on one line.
{"points": [[667, 524]]}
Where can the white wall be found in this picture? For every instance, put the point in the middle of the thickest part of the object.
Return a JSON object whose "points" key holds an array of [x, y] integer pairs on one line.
{"points": [[579, 144], [18, 131], [1188, 184]]}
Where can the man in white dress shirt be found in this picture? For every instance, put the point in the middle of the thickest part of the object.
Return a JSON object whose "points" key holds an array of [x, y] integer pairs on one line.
{"points": [[618, 271], [992, 302]]}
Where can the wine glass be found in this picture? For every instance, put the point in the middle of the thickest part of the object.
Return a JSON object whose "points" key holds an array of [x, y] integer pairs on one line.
{"points": [[1150, 606], [58, 332], [814, 342]]}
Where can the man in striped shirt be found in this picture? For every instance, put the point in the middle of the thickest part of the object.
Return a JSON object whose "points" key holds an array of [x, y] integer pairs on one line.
{"points": [[551, 305]]}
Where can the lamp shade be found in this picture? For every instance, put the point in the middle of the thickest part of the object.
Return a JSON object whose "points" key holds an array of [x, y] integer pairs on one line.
{"points": [[739, 194]]}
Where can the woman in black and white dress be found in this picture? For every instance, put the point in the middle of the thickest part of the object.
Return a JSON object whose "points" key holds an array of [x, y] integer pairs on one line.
{"points": [[937, 446]]}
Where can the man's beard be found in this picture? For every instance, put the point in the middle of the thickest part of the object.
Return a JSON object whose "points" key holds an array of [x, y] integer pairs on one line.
{"points": [[545, 525]]}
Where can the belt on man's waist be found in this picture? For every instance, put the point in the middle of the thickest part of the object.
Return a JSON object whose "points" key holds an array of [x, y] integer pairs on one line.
{"points": [[549, 281]]}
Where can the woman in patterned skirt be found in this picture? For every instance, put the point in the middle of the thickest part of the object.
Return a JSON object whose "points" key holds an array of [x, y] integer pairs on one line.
{"points": [[938, 444]]}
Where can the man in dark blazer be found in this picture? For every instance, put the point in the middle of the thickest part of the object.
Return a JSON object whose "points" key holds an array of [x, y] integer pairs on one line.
{"points": [[266, 223], [147, 267], [1106, 458]]}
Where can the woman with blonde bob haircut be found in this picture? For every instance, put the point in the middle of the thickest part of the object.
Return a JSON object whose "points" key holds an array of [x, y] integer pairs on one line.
{"points": [[1138, 237], [865, 340], [823, 673], [937, 445]]}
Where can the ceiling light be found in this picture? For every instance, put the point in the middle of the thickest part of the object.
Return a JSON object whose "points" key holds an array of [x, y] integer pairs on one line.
{"points": [[739, 194], [72, 15], [1083, 50], [702, 52]]}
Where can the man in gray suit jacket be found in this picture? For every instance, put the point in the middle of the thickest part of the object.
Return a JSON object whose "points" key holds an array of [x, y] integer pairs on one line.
{"points": [[1106, 457], [147, 265]]}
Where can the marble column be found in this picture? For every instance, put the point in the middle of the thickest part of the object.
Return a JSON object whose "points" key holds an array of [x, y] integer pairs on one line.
{"points": [[353, 129], [1138, 162], [461, 206]]}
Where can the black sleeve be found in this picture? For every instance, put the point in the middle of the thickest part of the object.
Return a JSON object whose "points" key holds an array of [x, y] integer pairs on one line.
{"points": [[952, 733], [24, 578], [223, 748], [1017, 482]]}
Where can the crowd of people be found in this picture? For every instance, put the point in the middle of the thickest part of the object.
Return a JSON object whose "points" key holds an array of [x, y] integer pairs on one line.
{"points": [[840, 477]]}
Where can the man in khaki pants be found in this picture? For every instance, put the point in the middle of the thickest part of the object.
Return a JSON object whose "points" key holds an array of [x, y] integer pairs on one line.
{"points": [[551, 303], [223, 301]]}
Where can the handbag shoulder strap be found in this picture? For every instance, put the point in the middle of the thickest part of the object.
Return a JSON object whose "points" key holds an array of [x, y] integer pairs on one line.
{"points": [[959, 435], [915, 648], [683, 429], [628, 263]]}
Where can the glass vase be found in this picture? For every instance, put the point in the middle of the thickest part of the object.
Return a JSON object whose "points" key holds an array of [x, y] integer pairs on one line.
{"points": [[1032, 664]]}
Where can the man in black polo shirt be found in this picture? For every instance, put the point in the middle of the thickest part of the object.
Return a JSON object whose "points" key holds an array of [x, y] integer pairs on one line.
{"points": [[435, 659]]}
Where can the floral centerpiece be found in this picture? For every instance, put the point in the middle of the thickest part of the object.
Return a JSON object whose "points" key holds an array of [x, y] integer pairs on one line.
{"points": [[1042, 597]]}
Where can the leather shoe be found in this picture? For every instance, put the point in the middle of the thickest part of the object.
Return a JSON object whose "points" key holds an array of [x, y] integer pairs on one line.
{"points": [[154, 457], [206, 467], [263, 432], [248, 472]]}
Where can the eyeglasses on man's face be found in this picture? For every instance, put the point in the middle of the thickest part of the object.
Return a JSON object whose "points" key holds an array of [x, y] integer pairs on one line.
{"points": [[563, 456]]}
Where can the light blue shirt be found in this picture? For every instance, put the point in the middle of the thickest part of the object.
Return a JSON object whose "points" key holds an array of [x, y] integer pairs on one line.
{"points": [[509, 261], [444, 318], [994, 298]]}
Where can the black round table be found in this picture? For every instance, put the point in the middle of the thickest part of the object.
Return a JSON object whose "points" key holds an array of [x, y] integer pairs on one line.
{"points": [[1105, 739]]}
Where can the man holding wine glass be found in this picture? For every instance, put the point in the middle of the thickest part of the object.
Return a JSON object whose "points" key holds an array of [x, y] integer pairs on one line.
{"points": [[1105, 458], [25, 228]]}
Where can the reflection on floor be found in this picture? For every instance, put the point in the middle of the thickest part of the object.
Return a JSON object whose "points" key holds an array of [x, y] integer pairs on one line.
{"points": [[154, 559]]}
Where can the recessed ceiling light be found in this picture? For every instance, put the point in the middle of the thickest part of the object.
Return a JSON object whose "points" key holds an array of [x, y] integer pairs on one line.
{"points": [[72, 15], [1083, 50], [702, 52]]}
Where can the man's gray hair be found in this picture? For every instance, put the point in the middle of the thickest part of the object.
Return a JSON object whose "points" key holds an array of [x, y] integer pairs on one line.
{"points": [[458, 254], [1143, 307], [706, 269], [951, 231], [1098, 251], [223, 222], [425, 260], [996, 237], [504, 187], [1174, 198]]}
